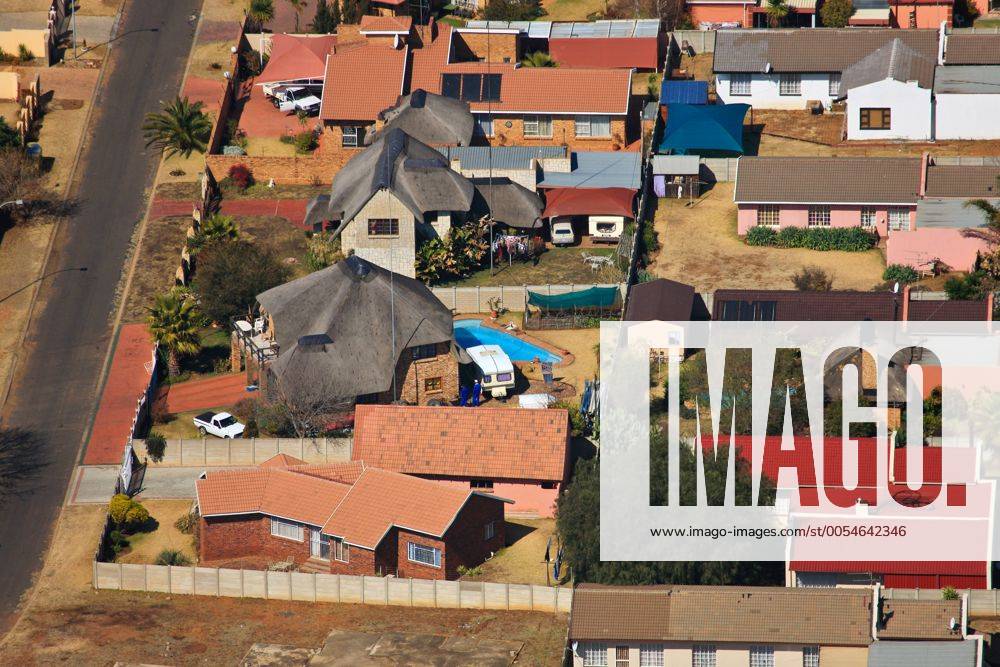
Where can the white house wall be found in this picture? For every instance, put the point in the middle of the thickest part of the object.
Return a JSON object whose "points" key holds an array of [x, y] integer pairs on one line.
{"points": [[967, 116], [764, 91], [910, 105]]}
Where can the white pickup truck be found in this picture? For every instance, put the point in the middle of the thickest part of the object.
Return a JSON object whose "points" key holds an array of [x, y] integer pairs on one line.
{"points": [[293, 98], [219, 424]]}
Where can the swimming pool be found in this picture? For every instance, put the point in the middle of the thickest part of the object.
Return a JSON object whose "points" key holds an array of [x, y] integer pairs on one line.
{"points": [[469, 333]]}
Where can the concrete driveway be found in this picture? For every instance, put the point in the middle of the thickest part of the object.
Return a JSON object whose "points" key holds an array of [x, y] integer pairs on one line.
{"points": [[95, 484]]}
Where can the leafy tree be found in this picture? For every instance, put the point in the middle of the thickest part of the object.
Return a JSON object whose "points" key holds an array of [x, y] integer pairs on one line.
{"points": [[459, 253], [9, 137], [991, 231], [214, 227], [513, 10], [231, 274], [326, 19], [156, 446], [900, 273], [261, 12], [180, 129], [353, 10], [812, 279], [322, 251], [173, 322], [538, 59], [976, 285], [777, 11], [836, 13]]}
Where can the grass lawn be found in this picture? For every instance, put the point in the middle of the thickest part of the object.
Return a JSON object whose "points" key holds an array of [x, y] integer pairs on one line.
{"points": [[571, 10], [145, 547], [522, 561], [182, 169], [700, 247], [269, 146], [212, 359], [288, 242], [556, 266], [156, 267]]}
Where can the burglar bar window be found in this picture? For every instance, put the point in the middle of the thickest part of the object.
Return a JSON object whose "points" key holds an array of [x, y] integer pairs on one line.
{"points": [[286, 529], [418, 553], [819, 216], [740, 83], [876, 119], [790, 84], [351, 136], [834, 84], [538, 126]]}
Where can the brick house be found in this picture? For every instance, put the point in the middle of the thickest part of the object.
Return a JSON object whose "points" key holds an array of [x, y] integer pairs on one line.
{"points": [[519, 454], [346, 518]]}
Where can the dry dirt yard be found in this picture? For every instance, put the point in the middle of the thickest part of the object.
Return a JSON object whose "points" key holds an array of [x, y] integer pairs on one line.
{"points": [[68, 622], [699, 246], [523, 560]]}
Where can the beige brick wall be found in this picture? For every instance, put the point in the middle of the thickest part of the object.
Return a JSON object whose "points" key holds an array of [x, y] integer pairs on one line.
{"points": [[396, 253]]}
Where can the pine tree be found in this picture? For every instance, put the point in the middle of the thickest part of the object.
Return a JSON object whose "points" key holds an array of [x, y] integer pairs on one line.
{"points": [[324, 22]]}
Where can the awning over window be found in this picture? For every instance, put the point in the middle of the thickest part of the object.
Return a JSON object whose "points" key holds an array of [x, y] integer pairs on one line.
{"points": [[588, 201]]}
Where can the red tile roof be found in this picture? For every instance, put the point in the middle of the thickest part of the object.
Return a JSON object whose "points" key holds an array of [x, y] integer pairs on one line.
{"points": [[973, 568], [297, 57], [282, 461], [488, 443], [395, 24], [270, 491], [613, 52], [361, 81]]}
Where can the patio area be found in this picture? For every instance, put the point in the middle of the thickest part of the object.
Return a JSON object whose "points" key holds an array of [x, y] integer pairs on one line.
{"points": [[260, 119]]}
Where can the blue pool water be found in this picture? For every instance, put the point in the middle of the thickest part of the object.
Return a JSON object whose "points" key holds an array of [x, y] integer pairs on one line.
{"points": [[469, 333]]}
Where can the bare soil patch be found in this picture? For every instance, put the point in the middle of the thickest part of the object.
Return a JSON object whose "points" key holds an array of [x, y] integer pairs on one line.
{"points": [[522, 561], [159, 257]]}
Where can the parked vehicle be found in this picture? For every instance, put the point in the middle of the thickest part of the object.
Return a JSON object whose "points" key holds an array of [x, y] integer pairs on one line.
{"points": [[606, 228], [494, 369], [219, 424], [293, 98], [562, 233]]}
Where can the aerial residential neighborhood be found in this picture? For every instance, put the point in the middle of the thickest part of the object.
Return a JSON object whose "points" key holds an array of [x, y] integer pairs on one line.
{"points": [[314, 313]]}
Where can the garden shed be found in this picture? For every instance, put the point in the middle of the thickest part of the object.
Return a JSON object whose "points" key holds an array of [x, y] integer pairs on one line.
{"points": [[676, 175]]}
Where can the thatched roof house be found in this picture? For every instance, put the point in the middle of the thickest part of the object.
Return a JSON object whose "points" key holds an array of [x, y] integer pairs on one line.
{"points": [[433, 119]]}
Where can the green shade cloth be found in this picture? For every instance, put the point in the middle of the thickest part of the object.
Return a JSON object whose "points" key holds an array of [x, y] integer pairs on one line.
{"points": [[592, 297]]}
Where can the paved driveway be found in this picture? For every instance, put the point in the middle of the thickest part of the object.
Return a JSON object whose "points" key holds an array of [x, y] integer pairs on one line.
{"points": [[55, 393], [94, 484]]}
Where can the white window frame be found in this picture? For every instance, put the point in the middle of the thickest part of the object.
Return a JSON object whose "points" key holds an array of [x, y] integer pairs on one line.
{"points": [[340, 550], [764, 211], [350, 136], [489, 531], [869, 217], [651, 655], [810, 656], [790, 84], [761, 656], [583, 126], [818, 216], [834, 84], [703, 655], [594, 654], [412, 549], [741, 84], [287, 530], [899, 225], [533, 124]]}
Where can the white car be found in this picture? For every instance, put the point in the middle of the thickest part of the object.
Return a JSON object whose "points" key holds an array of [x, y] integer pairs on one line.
{"points": [[219, 424], [294, 98], [562, 233]]}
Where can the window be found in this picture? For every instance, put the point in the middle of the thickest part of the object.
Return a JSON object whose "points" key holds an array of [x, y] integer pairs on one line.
{"points": [[352, 136], [819, 216], [489, 531], [650, 655], [899, 219], [340, 550], [810, 656], [471, 87], [433, 384], [739, 84], [484, 125], [621, 656], [480, 484], [702, 656], [594, 655], [418, 553], [538, 126], [286, 529], [550, 485], [761, 656], [868, 217], [789, 84], [768, 215], [592, 126], [383, 227], [834, 84], [876, 119], [424, 351]]}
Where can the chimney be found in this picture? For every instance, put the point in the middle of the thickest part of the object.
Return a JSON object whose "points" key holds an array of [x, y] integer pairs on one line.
{"points": [[906, 303]]}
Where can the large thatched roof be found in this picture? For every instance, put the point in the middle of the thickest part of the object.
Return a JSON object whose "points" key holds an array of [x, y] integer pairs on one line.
{"points": [[433, 119]]}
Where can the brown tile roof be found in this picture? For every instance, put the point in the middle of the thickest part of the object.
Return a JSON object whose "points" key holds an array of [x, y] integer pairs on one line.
{"points": [[270, 491], [920, 619], [949, 311], [962, 181], [361, 81], [830, 180], [829, 616], [488, 443], [386, 23], [847, 306], [972, 50]]}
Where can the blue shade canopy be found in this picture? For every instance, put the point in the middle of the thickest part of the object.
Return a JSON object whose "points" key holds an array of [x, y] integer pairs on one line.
{"points": [[683, 92], [704, 129]]}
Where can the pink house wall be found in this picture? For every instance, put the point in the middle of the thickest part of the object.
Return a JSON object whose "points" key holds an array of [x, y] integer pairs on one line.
{"points": [[918, 247], [927, 15], [792, 215]]}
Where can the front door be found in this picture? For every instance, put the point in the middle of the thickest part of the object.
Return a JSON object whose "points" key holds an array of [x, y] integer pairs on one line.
{"points": [[319, 545]]}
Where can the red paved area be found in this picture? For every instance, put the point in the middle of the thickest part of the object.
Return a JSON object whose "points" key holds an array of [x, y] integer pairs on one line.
{"points": [[260, 118], [207, 91], [127, 380], [206, 393], [293, 210]]}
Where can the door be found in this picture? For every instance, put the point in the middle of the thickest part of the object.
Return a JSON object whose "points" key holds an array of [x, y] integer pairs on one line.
{"points": [[319, 545]]}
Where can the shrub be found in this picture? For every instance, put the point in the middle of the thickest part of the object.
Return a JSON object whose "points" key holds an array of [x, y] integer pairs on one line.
{"points": [[949, 593], [790, 237], [156, 446], [836, 13], [812, 279], [760, 235], [305, 142], [241, 176], [127, 513], [322, 251], [900, 273], [117, 541], [136, 516], [172, 557], [187, 523], [24, 54], [119, 507]]}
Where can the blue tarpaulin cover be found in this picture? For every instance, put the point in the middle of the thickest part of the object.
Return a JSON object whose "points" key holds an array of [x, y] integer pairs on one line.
{"points": [[704, 129], [684, 92]]}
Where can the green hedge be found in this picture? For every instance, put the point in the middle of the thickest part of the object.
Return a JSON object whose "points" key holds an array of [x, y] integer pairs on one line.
{"points": [[900, 273], [851, 239]]}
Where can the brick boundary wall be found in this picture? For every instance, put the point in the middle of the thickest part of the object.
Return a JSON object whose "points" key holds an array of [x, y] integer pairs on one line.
{"points": [[246, 451]]}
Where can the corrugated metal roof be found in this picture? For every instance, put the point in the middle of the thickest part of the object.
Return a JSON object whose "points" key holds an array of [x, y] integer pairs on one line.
{"points": [[967, 79], [503, 157], [598, 169], [922, 654], [681, 165], [871, 14], [949, 214], [583, 29], [684, 92]]}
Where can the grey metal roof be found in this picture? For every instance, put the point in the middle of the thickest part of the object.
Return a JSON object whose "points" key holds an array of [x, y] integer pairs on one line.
{"points": [[946, 213], [430, 118], [583, 29], [355, 303], [500, 157], [679, 165], [507, 202], [809, 50], [967, 79], [922, 654], [896, 61], [598, 169], [827, 180]]}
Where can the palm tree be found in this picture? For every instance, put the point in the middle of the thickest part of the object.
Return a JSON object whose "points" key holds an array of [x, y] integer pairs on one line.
{"points": [[991, 231], [213, 227], [538, 59], [777, 12], [173, 322], [261, 12], [181, 128]]}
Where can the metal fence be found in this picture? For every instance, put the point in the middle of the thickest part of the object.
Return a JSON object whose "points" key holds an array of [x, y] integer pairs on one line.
{"points": [[342, 588], [248, 451], [512, 297]]}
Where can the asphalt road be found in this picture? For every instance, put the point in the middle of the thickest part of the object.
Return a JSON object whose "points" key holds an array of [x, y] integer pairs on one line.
{"points": [[55, 392]]}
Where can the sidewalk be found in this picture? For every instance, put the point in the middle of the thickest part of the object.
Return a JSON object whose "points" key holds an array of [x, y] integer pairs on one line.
{"points": [[202, 394]]}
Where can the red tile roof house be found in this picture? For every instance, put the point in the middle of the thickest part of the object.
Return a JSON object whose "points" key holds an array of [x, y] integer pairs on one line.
{"points": [[913, 203], [519, 454], [346, 518]]}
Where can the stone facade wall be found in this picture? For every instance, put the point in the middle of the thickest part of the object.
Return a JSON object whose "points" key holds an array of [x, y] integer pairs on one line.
{"points": [[412, 376], [563, 134], [248, 535], [396, 253], [471, 46]]}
